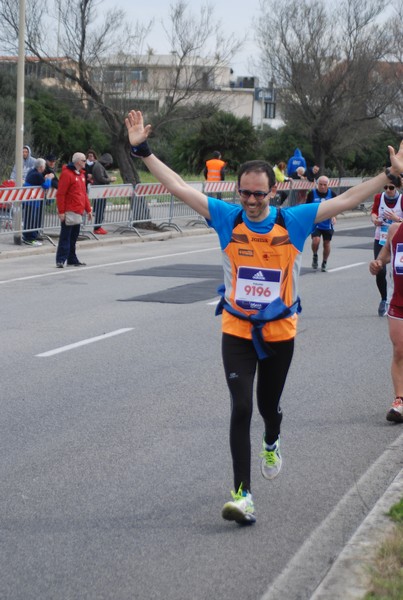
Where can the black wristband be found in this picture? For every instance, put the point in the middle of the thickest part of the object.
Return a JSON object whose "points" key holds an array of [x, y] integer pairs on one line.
{"points": [[395, 179], [141, 151]]}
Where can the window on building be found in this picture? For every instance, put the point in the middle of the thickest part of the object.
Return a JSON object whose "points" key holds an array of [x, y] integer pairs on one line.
{"points": [[119, 102], [137, 75], [112, 75], [32, 69], [204, 79], [9, 67], [120, 77], [269, 110]]}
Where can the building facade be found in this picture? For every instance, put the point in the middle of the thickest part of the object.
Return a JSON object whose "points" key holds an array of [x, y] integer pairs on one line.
{"points": [[151, 81]]}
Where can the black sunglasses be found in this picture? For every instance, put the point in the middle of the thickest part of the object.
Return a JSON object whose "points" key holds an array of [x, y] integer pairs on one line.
{"points": [[247, 193], [389, 187]]}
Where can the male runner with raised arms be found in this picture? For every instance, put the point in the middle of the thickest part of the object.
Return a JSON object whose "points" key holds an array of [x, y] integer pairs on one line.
{"points": [[261, 251]]}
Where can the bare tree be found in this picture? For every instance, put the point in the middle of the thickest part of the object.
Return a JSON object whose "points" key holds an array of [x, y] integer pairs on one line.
{"points": [[90, 41], [326, 62], [84, 44], [194, 71], [394, 116]]}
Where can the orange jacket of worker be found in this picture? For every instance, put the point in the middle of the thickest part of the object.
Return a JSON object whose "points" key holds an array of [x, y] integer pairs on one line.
{"points": [[215, 168]]}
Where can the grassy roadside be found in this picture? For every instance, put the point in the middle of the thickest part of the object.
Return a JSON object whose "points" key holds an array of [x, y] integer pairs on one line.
{"points": [[387, 570], [147, 177]]}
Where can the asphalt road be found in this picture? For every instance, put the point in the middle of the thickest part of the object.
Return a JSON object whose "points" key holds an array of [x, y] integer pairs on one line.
{"points": [[114, 429]]}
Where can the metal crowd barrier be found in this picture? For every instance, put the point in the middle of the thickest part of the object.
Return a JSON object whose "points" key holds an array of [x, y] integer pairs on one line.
{"points": [[18, 205], [297, 189], [6, 216], [225, 190], [129, 207], [162, 207]]}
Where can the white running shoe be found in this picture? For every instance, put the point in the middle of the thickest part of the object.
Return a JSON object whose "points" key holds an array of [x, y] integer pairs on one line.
{"points": [[271, 461], [396, 411]]}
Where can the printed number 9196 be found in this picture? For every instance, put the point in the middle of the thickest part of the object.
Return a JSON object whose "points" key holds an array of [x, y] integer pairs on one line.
{"points": [[257, 290]]}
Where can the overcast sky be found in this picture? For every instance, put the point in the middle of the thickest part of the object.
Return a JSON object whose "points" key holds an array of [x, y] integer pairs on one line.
{"points": [[235, 16]]}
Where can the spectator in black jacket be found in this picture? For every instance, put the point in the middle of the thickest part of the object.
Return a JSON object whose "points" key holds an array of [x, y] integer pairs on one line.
{"points": [[312, 173], [50, 170], [101, 177], [91, 157]]}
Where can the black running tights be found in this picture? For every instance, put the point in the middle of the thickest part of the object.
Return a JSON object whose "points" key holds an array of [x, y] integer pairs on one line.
{"points": [[240, 364], [381, 277]]}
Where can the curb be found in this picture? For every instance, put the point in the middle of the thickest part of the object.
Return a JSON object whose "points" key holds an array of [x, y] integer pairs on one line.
{"points": [[113, 239], [349, 577], [329, 566]]}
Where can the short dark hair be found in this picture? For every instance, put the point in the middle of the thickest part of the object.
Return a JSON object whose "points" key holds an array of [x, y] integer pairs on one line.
{"points": [[257, 166], [216, 154]]}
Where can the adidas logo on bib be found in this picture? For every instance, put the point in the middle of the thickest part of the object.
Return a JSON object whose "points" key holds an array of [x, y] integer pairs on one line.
{"points": [[259, 275]]}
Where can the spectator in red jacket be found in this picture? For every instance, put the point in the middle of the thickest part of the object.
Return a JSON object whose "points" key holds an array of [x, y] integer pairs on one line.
{"points": [[72, 201]]}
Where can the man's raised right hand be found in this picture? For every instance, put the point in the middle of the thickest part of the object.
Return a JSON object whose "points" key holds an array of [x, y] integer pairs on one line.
{"points": [[138, 133]]}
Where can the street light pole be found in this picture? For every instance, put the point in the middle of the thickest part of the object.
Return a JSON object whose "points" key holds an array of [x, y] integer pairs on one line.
{"points": [[19, 132]]}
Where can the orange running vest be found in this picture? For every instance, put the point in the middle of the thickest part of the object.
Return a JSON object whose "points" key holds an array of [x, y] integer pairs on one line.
{"points": [[271, 251]]}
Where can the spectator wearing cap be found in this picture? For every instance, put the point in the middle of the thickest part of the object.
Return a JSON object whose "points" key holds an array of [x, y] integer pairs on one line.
{"points": [[50, 169]]}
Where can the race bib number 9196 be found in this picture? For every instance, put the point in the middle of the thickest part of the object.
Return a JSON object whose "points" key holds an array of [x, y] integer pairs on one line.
{"points": [[256, 288]]}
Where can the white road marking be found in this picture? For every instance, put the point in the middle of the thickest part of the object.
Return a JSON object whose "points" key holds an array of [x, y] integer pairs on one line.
{"points": [[98, 338], [103, 265], [346, 267]]}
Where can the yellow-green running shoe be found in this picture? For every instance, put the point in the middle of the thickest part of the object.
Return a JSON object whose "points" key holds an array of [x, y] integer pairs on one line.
{"points": [[240, 509]]}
